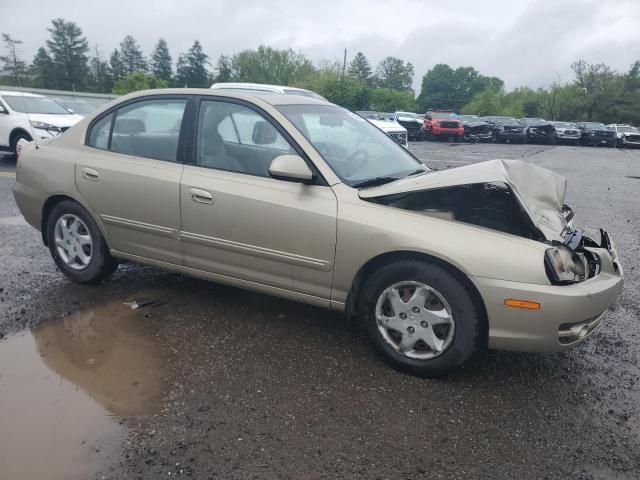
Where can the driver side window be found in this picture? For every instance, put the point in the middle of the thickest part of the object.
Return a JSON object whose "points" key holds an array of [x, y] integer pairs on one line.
{"points": [[235, 138]]}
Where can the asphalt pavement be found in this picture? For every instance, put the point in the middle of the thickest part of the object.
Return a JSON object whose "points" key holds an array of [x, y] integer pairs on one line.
{"points": [[213, 382]]}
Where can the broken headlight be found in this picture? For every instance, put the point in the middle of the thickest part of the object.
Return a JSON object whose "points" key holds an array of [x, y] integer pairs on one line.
{"points": [[564, 266]]}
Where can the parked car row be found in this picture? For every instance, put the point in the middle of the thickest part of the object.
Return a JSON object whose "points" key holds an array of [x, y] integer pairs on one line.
{"points": [[445, 125], [27, 116]]}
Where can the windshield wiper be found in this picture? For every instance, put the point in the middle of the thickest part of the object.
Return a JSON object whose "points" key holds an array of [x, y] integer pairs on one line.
{"points": [[374, 182], [377, 181]]}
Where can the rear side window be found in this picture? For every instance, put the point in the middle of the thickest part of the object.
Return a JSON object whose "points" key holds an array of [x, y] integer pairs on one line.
{"points": [[148, 128], [99, 136]]}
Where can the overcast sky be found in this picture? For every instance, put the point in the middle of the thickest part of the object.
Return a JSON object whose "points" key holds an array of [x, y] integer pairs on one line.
{"points": [[523, 42]]}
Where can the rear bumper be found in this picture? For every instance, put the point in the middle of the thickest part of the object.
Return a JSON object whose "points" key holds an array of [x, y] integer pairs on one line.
{"points": [[30, 203], [568, 314]]}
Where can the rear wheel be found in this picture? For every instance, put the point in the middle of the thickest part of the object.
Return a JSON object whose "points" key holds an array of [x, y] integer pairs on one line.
{"points": [[420, 317], [77, 245]]}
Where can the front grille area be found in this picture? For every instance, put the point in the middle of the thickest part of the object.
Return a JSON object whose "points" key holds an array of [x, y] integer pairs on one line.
{"points": [[400, 137], [412, 126], [633, 138], [449, 124], [570, 132], [604, 134], [513, 129]]}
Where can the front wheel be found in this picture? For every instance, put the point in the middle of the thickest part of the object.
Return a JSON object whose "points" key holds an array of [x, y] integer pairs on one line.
{"points": [[77, 245], [420, 317]]}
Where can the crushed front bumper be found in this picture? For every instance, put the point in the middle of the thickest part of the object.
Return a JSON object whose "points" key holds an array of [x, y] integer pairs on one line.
{"points": [[567, 315]]}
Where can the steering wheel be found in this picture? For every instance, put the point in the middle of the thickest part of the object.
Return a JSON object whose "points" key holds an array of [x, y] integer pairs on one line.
{"points": [[354, 161]]}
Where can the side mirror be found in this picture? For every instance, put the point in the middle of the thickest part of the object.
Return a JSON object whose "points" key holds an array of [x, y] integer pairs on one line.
{"points": [[291, 168]]}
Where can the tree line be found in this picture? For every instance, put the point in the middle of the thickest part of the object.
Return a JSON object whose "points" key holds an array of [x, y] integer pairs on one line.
{"points": [[66, 62]]}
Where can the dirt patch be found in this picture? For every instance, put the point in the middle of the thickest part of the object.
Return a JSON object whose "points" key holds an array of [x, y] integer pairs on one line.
{"points": [[66, 385]]}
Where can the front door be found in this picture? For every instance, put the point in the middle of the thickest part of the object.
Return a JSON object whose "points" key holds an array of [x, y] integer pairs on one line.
{"points": [[239, 222], [130, 177]]}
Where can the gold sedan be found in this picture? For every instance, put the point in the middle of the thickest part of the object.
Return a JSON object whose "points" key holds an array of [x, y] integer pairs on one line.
{"points": [[296, 197]]}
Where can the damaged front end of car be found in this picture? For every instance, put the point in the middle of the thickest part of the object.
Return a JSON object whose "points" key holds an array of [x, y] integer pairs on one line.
{"points": [[478, 131], [508, 196]]}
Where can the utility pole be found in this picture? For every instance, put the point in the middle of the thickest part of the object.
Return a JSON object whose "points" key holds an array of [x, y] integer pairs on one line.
{"points": [[344, 63]]}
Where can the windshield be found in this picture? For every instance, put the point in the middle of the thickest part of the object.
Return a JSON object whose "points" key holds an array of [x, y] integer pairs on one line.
{"points": [[505, 121], [595, 125], [628, 129], [355, 150], [444, 115], [409, 115], [24, 104], [468, 117], [80, 107], [563, 124]]}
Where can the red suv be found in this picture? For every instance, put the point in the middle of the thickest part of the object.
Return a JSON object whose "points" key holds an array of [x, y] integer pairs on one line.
{"points": [[443, 124]]}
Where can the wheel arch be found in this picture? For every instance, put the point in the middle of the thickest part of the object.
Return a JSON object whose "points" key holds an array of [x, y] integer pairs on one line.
{"points": [[390, 257], [50, 204], [15, 132]]}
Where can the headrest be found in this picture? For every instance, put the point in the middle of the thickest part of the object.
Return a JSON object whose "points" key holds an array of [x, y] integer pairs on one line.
{"points": [[128, 126]]}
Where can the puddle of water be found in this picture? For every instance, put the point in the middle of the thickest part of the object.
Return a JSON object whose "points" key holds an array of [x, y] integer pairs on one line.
{"points": [[62, 387]]}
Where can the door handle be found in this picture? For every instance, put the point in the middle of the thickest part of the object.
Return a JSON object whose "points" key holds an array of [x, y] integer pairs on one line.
{"points": [[90, 174], [201, 196]]}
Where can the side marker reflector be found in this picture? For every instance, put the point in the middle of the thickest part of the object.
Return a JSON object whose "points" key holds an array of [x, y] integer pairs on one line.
{"points": [[512, 302]]}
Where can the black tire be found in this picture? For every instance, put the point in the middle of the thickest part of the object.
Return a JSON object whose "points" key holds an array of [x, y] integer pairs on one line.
{"points": [[467, 333], [101, 265], [14, 142]]}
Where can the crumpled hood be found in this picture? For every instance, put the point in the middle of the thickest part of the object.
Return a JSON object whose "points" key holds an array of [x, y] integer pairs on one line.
{"points": [[540, 191], [387, 126]]}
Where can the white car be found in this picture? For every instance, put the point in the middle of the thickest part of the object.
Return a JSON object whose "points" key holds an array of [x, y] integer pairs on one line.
{"points": [[263, 87], [390, 127], [27, 116], [626, 135]]}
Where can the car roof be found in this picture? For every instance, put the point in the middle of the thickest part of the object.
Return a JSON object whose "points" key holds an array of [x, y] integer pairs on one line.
{"points": [[269, 97]]}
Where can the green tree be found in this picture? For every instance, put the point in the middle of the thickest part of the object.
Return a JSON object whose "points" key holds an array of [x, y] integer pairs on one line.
{"points": [[116, 65], [393, 73], [68, 50], [487, 102], [345, 91], [596, 81], [359, 68], [12, 65], [192, 69], [131, 56], [42, 70], [268, 65], [100, 73], [223, 69], [446, 88], [389, 100], [161, 61], [137, 81]]}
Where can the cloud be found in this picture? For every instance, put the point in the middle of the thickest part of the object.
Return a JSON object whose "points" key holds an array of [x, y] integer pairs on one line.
{"points": [[525, 43]]}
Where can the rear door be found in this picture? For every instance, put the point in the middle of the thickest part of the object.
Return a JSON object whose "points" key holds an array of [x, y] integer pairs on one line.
{"points": [[130, 173], [239, 222]]}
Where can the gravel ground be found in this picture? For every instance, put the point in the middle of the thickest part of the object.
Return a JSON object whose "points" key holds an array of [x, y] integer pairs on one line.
{"points": [[259, 387]]}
